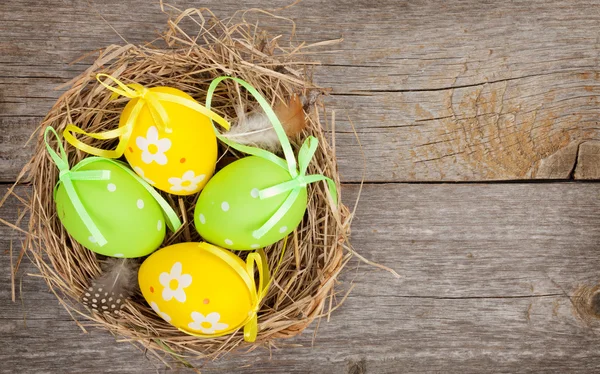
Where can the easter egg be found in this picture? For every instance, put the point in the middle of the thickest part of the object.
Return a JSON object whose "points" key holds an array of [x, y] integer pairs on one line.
{"points": [[229, 209], [199, 288], [127, 215], [178, 160]]}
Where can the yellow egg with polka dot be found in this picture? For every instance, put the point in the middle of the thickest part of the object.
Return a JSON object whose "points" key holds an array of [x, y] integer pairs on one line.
{"points": [[179, 158], [201, 289]]}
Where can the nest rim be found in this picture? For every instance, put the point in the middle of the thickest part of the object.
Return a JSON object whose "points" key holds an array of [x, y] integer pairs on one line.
{"points": [[324, 230]]}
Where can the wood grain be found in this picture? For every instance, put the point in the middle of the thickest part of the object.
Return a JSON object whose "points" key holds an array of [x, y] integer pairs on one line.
{"points": [[495, 276], [588, 161], [466, 90], [490, 274]]}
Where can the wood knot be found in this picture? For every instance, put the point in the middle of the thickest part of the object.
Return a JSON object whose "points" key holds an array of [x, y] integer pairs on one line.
{"points": [[357, 367], [586, 301], [595, 304]]}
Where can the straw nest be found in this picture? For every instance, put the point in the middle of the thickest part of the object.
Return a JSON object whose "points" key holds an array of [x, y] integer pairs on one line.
{"points": [[302, 289]]}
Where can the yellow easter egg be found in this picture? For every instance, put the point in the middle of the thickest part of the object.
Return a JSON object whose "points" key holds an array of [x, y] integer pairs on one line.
{"points": [[178, 160], [199, 288]]}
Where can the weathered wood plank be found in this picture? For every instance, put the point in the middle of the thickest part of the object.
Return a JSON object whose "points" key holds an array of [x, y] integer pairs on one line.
{"points": [[588, 161], [15, 147], [466, 90], [55, 345], [489, 277]]}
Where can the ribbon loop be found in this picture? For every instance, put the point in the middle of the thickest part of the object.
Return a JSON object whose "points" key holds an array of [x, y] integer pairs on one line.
{"points": [[62, 162], [143, 94], [66, 177], [259, 259], [124, 91], [146, 97], [307, 151]]}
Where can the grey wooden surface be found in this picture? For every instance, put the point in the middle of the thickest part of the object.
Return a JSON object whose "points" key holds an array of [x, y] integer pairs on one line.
{"points": [[502, 97]]}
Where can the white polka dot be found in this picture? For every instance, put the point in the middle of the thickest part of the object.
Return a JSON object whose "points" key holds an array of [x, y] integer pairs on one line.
{"points": [[118, 255], [159, 225], [228, 242], [140, 203], [282, 229], [254, 246], [111, 187], [92, 239], [254, 193], [225, 206], [202, 218]]}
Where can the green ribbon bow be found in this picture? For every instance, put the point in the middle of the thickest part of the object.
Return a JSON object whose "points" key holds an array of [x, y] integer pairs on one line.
{"points": [[67, 176], [297, 170]]}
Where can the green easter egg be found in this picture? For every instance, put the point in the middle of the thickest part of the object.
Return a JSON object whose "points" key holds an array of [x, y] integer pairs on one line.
{"points": [[128, 217], [229, 209]]}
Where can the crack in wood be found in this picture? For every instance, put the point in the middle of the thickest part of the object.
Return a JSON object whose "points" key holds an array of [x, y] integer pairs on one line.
{"points": [[452, 87], [467, 297], [574, 167], [440, 157]]}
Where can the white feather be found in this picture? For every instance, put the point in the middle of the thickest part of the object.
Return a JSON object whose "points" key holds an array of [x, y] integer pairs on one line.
{"points": [[108, 292], [119, 276], [256, 130]]}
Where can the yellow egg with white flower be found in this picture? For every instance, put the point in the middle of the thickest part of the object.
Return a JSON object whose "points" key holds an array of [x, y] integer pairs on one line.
{"points": [[201, 289], [177, 157]]}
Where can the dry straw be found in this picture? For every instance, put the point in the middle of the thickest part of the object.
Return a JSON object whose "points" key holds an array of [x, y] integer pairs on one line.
{"points": [[303, 285]]}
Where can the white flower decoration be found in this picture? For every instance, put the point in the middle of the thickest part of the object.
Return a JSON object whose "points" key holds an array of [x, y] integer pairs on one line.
{"points": [[164, 315], [153, 148], [188, 182], [209, 324], [140, 172], [174, 283]]}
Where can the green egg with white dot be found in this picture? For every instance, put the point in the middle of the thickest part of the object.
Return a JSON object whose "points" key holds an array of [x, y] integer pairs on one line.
{"points": [[124, 211], [229, 210]]}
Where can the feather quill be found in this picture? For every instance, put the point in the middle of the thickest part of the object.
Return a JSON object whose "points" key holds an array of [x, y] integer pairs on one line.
{"points": [[257, 130], [112, 287]]}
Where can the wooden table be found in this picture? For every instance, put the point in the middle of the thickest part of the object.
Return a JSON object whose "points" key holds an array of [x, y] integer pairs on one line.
{"points": [[479, 122]]}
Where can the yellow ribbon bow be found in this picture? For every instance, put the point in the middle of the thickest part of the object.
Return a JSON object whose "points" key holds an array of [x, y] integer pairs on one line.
{"points": [[145, 97]]}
